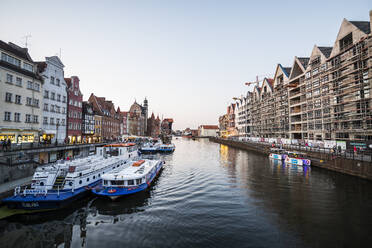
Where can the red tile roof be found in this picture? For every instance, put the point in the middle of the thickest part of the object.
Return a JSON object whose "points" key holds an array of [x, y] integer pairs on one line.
{"points": [[209, 126]]}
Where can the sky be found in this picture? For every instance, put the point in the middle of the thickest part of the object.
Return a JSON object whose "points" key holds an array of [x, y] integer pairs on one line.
{"points": [[189, 58]]}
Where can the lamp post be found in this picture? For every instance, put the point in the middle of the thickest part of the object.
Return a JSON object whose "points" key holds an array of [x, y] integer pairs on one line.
{"points": [[57, 126]]}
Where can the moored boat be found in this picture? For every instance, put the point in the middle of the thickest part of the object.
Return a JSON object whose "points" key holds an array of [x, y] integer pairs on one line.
{"points": [[129, 180], [56, 185], [167, 148], [150, 147]]}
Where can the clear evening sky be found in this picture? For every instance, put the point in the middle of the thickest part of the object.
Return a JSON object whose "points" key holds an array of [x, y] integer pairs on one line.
{"points": [[188, 57]]}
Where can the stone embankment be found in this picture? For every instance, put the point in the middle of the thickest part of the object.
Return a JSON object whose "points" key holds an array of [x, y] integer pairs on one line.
{"points": [[344, 162]]}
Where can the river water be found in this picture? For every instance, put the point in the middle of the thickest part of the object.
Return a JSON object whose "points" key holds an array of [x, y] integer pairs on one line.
{"points": [[210, 195]]}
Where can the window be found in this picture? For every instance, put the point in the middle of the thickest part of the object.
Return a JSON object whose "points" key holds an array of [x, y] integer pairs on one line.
{"points": [[7, 116], [29, 101], [37, 87], [315, 71], [36, 119], [18, 99], [19, 81], [51, 108], [130, 182], [346, 41], [52, 80], [45, 120], [17, 117], [58, 121], [51, 121], [36, 102], [138, 181], [316, 83], [8, 97], [58, 97], [28, 67], [63, 122], [28, 118], [10, 60], [9, 78], [57, 82], [64, 99], [308, 74], [71, 103], [46, 108], [63, 110], [46, 94], [52, 96], [30, 85]]}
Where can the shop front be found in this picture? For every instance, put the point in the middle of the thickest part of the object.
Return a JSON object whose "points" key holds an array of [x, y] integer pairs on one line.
{"points": [[16, 136]]}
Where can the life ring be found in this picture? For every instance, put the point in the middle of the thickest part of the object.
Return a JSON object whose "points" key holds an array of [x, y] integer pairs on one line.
{"points": [[111, 191]]}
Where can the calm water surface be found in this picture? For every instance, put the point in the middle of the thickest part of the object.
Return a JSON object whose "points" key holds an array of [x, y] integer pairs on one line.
{"points": [[210, 195]]}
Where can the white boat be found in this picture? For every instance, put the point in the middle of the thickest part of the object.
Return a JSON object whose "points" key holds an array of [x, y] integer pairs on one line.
{"points": [[150, 147], [54, 186], [129, 180], [167, 148]]}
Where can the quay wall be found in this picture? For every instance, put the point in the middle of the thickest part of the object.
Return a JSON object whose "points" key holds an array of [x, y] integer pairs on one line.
{"points": [[362, 169]]}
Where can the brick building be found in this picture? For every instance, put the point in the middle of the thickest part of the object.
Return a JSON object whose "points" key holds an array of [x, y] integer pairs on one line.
{"points": [[74, 110]]}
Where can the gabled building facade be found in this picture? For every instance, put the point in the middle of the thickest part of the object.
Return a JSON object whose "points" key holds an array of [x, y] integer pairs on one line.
{"points": [[54, 104], [74, 110], [21, 90]]}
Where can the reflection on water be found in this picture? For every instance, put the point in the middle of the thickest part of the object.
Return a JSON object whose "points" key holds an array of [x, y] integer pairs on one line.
{"points": [[211, 195]]}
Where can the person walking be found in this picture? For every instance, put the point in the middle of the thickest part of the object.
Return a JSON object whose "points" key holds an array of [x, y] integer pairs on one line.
{"points": [[9, 144]]}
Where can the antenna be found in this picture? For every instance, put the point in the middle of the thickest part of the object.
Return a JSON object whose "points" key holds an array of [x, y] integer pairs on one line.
{"points": [[26, 39]]}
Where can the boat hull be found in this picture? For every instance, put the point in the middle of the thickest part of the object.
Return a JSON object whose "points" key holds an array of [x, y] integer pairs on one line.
{"points": [[51, 200], [275, 156]]}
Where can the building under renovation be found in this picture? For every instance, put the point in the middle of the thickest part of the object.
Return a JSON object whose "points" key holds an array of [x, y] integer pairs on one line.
{"points": [[326, 96]]}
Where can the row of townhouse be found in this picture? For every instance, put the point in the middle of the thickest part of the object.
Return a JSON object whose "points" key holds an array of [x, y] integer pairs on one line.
{"points": [[326, 96], [39, 104]]}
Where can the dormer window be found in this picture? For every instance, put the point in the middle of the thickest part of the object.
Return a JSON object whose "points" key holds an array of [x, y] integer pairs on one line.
{"points": [[346, 41], [10, 59], [28, 67]]}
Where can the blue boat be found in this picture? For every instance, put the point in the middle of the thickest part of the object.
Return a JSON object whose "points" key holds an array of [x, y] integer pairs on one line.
{"points": [[56, 185], [167, 148], [129, 180], [150, 147]]}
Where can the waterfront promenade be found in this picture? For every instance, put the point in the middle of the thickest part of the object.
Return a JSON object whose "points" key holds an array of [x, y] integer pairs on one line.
{"points": [[345, 161]]}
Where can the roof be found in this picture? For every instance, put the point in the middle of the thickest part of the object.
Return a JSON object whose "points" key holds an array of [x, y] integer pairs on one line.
{"points": [[362, 25], [304, 61], [209, 126], [68, 82], [168, 119], [326, 51], [271, 82], [287, 70], [41, 66], [16, 50]]}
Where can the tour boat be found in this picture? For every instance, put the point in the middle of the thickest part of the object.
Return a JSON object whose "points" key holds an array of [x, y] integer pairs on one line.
{"points": [[276, 153], [167, 148], [150, 147], [129, 180], [56, 185], [296, 158]]}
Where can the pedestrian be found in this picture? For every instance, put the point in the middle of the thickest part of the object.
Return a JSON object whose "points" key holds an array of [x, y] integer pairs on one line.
{"points": [[9, 144]]}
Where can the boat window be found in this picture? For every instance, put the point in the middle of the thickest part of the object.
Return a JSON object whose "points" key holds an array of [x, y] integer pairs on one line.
{"points": [[138, 181], [118, 165], [80, 182], [70, 183], [80, 174], [130, 182], [105, 182], [94, 177], [42, 184], [88, 179]]}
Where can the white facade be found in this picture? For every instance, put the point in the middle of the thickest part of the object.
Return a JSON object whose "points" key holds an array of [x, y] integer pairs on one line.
{"points": [[54, 101], [208, 131], [20, 95]]}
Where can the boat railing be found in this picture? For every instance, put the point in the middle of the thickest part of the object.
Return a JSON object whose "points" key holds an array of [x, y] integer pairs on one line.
{"points": [[23, 191]]}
